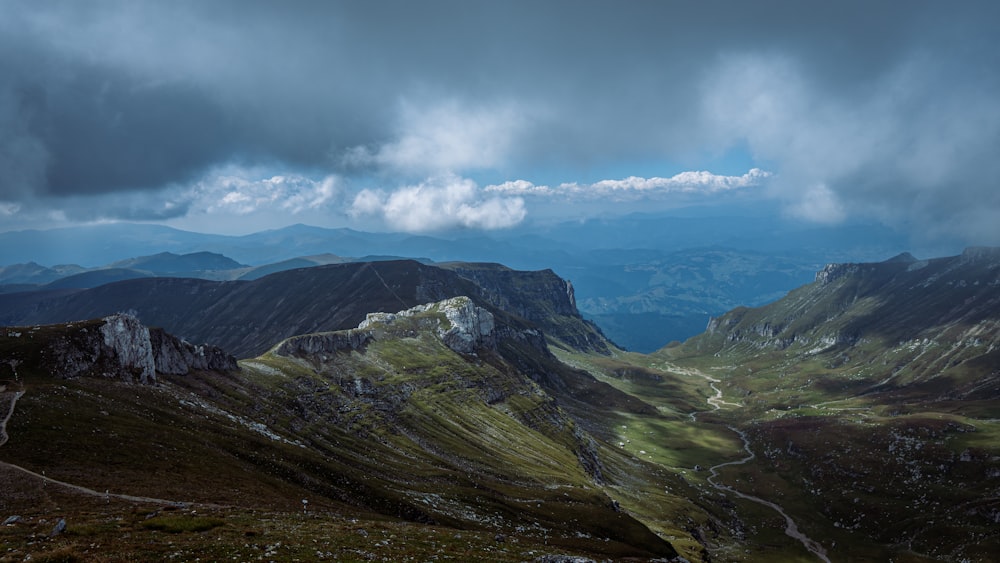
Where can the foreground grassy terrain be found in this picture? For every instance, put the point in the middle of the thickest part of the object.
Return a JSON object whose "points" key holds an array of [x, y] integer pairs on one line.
{"points": [[129, 531]]}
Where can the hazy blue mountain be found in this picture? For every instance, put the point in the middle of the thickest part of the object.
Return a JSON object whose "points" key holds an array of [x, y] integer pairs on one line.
{"points": [[95, 278], [170, 263], [646, 279], [32, 273], [96, 245]]}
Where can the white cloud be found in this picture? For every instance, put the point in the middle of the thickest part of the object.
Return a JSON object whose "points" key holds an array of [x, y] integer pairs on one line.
{"points": [[694, 182], [518, 187], [686, 182], [444, 138], [438, 203], [236, 193]]}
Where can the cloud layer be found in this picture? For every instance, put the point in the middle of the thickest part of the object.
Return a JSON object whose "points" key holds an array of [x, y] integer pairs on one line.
{"points": [[858, 109], [444, 202], [634, 187]]}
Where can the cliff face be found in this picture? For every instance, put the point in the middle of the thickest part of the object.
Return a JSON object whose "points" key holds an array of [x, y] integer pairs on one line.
{"points": [[173, 356], [465, 328], [116, 347], [126, 339], [541, 297]]}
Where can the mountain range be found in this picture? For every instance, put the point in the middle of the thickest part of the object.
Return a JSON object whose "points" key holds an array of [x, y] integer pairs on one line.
{"points": [[645, 279], [401, 410]]}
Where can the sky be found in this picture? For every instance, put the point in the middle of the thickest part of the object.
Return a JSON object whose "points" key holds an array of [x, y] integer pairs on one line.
{"points": [[237, 116]]}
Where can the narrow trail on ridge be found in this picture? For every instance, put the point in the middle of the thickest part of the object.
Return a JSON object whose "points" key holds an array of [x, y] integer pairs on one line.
{"points": [[10, 412], [716, 402]]}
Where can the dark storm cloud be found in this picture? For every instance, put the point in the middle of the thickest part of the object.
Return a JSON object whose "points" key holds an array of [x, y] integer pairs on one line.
{"points": [[851, 103]]}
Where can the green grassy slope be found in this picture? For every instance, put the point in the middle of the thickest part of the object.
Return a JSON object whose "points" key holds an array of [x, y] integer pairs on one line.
{"points": [[869, 398], [404, 429]]}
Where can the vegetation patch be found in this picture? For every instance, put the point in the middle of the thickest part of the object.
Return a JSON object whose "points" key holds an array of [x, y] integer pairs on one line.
{"points": [[181, 523]]}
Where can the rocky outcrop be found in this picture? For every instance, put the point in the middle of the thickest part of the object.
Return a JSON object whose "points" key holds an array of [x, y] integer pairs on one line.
{"points": [[173, 356], [324, 343], [468, 326], [126, 339], [465, 328], [117, 347], [121, 347], [471, 326]]}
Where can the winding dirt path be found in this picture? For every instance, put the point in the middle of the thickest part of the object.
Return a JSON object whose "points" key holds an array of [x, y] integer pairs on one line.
{"points": [[791, 529], [107, 495], [716, 401], [77, 488], [10, 412]]}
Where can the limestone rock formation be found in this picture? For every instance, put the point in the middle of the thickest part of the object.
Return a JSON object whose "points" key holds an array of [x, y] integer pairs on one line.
{"points": [[121, 347], [324, 343], [126, 339], [469, 326]]}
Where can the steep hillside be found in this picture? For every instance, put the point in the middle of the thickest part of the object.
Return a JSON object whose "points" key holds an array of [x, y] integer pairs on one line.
{"points": [[868, 401], [414, 416], [248, 317], [904, 325]]}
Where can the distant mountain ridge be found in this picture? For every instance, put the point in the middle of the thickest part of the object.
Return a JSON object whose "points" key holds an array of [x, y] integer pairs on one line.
{"points": [[646, 279], [248, 317], [170, 263], [206, 265]]}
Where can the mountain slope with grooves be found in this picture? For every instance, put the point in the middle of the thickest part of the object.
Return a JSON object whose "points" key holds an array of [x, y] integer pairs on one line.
{"points": [[404, 417], [921, 324], [870, 400]]}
